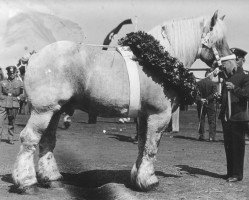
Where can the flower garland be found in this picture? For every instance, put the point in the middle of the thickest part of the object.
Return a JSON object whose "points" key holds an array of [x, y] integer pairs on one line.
{"points": [[163, 68]]}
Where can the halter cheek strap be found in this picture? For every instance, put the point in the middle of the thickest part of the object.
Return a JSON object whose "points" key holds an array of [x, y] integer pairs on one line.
{"points": [[206, 41]]}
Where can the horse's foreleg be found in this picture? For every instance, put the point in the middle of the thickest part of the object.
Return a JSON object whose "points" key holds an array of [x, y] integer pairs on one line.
{"points": [[47, 167], [24, 174], [150, 131]]}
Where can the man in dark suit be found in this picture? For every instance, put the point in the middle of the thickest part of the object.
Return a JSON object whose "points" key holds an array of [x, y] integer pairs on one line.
{"points": [[235, 126], [11, 91], [206, 106]]}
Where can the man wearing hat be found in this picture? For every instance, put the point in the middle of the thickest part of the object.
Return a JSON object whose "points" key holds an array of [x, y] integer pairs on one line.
{"points": [[11, 91], [206, 102], [235, 124]]}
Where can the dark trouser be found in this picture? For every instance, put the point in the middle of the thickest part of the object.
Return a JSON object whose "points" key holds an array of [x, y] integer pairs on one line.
{"points": [[234, 143], [25, 108], [9, 113], [211, 114], [136, 119], [92, 118]]}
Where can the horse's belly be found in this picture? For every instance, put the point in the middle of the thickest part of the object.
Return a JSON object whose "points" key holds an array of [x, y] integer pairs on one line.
{"points": [[108, 87]]}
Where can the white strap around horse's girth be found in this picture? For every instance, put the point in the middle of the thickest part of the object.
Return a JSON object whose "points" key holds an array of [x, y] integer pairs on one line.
{"points": [[135, 101]]}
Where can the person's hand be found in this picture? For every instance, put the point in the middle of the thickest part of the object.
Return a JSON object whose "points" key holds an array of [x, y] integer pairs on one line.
{"points": [[216, 71], [203, 100], [230, 86], [217, 96]]}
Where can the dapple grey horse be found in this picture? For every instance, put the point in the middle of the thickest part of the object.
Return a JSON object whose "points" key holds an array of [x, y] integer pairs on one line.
{"points": [[65, 75]]}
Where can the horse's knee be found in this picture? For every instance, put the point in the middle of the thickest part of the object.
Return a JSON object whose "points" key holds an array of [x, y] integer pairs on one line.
{"points": [[29, 138]]}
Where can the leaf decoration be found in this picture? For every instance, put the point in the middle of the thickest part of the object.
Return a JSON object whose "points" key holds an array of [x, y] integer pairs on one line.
{"points": [[163, 68]]}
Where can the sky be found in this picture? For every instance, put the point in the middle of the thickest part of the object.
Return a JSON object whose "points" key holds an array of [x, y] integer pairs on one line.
{"points": [[99, 17]]}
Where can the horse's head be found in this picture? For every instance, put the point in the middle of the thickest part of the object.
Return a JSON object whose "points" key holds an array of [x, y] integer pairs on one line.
{"points": [[214, 47]]}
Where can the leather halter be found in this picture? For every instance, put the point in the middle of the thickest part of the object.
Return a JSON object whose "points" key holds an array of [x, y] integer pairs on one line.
{"points": [[208, 42]]}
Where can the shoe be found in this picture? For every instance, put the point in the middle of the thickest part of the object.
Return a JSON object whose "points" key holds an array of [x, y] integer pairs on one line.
{"points": [[121, 120], [225, 177], [212, 140], [135, 142], [234, 179], [201, 138], [174, 132], [11, 142]]}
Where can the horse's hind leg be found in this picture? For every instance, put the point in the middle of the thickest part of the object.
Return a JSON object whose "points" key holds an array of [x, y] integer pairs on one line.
{"points": [[150, 131], [24, 174], [47, 167]]}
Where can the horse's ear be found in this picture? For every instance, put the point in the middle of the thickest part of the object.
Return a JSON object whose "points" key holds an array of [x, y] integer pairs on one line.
{"points": [[222, 18], [214, 20]]}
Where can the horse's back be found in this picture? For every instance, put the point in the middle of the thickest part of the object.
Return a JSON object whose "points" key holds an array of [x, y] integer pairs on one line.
{"points": [[96, 79]]}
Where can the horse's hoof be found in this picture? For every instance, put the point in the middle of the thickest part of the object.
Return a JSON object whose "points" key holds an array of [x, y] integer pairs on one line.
{"points": [[52, 184], [152, 183], [28, 190], [56, 184], [146, 185]]}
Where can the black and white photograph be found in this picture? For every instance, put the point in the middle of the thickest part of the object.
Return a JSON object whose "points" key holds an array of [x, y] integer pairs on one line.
{"points": [[124, 100]]}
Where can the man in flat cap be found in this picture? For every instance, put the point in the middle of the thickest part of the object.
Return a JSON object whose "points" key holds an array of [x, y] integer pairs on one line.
{"points": [[11, 91], [235, 124]]}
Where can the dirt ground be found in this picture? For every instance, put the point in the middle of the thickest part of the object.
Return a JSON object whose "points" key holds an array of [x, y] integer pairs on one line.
{"points": [[96, 165]]}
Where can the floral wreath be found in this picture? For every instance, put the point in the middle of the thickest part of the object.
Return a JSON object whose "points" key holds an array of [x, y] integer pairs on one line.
{"points": [[158, 64]]}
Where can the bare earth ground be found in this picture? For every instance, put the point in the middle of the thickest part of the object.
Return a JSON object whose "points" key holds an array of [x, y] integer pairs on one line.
{"points": [[96, 165]]}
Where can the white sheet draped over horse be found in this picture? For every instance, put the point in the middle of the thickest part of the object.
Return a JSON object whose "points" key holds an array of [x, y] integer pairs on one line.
{"points": [[65, 75]]}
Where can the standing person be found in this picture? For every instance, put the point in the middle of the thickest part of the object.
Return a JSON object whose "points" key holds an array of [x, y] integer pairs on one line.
{"points": [[173, 126], [1, 74], [235, 126], [206, 106], [175, 120], [11, 90]]}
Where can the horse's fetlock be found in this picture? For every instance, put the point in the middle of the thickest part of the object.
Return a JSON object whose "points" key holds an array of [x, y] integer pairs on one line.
{"points": [[30, 147], [151, 154]]}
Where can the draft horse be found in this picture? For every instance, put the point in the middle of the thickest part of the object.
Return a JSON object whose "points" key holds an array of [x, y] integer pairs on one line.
{"points": [[65, 75]]}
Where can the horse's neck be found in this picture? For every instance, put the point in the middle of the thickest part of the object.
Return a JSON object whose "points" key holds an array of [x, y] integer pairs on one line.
{"points": [[181, 39]]}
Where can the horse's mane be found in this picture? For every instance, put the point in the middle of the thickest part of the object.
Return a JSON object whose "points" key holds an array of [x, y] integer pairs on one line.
{"points": [[182, 37]]}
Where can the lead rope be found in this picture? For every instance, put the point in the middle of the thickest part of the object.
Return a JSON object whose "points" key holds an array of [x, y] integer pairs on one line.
{"points": [[205, 40]]}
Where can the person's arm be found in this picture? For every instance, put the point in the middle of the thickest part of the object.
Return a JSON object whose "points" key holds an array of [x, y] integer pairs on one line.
{"points": [[21, 94], [240, 91], [199, 99], [214, 91], [198, 95], [1, 91]]}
